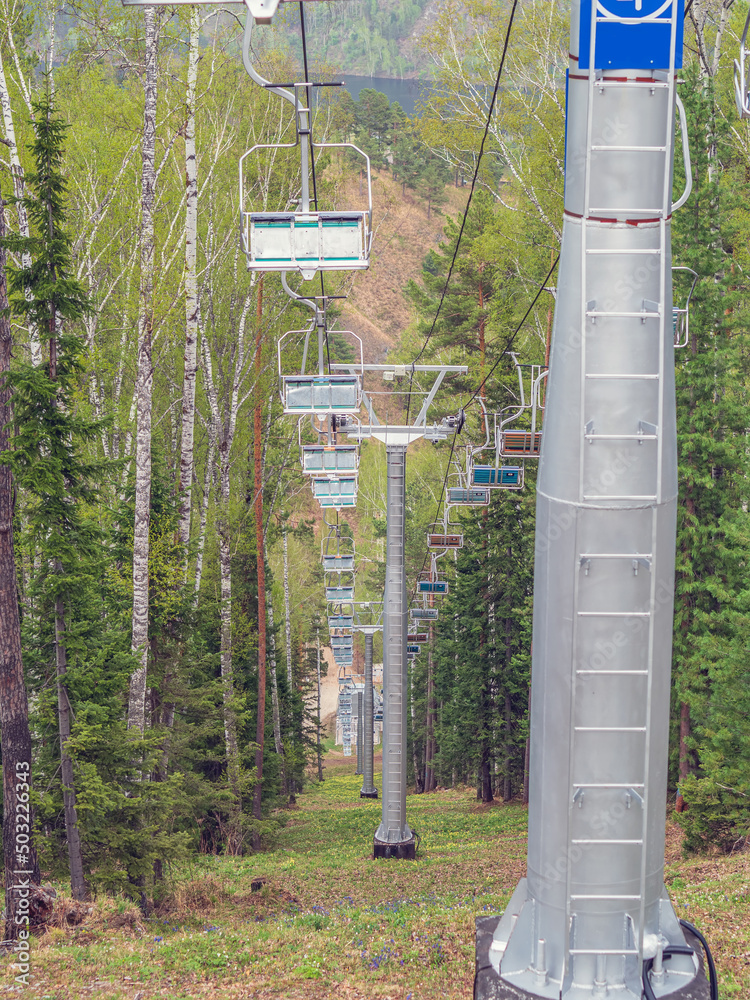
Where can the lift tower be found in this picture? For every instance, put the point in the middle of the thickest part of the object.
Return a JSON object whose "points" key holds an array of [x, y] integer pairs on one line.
{"points": [[593, 912]]}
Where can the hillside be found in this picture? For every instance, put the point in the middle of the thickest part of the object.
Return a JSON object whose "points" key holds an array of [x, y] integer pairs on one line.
{"points": [[377, 309]]}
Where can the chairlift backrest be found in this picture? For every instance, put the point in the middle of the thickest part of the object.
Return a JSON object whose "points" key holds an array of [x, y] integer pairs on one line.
{"points": [[471, 497], [520, 444], [497, 477], [445, 541], [329, 459], [432, 587], [424, 614], [303, 394]]}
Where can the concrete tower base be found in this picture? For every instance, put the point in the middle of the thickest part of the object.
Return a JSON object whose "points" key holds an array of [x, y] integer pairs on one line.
{"points": [[369, 795], [406, 851], [488, 985]]}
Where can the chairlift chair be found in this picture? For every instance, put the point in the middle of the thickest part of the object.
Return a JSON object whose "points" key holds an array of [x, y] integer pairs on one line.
{"points": [[304, 394], [444, 541], [437, 587], [424, 614], [335, 493], [681, 314], [496, 476], [304, 240], [417, 637], [512, 441]]}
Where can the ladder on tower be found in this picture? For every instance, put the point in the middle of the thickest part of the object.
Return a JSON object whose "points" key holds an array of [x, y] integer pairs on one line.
{"points": [[614, 594]]}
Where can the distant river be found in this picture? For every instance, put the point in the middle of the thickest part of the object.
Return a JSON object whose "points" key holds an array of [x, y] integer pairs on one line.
{"points": [[406, 92]]}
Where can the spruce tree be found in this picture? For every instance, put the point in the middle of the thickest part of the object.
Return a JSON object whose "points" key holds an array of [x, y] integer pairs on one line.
{"points": [[48, 460], [711, 377]]}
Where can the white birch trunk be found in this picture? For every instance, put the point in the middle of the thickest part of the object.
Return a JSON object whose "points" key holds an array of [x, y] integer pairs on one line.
{"points": [[204, 515], [144, 386], [191, 291], [227, 674], [17, 174], [287, 615], [274, 686]]}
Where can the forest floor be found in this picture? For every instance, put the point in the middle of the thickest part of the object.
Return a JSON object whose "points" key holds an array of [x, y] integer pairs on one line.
{"points": [[330, 922]]}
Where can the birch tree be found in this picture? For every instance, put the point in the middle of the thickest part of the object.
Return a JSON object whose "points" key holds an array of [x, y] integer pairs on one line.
{"points": [[144, 380]]}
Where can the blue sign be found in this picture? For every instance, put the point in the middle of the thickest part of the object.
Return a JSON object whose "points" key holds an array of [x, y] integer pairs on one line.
{"points": [[631, 34]]}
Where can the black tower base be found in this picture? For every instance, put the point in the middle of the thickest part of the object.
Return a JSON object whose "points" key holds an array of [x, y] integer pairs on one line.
{"points": [[369, 795], [404, 852], [489, 986]]}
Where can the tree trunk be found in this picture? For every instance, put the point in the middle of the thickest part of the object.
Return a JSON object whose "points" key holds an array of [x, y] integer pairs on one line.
{"points": [[275, 702], [17, 174], [20, 859], [685, 731], [144, 386], [78, 885], [227, 670], [291, 790], [258, 468], [191, 291], [320, 755]]}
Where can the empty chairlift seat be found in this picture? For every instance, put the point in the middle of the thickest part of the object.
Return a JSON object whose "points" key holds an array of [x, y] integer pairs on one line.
{"points": [[321, 394], [424, 614], [445, 541], [307, 242], [417, 637], [318, 459], [414, 649], [432, 587], [520, 443], [339, 594], [335, 492], [507, 476], [338, 563], [341, 642], [472, 497], [341, 622]]}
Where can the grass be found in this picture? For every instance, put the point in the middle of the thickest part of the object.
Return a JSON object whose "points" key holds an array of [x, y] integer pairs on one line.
{"points": [[330, 922]]}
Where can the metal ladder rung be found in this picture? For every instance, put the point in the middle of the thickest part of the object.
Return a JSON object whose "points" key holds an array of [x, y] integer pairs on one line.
{"points": [[604, 899], [610, 729], [597, 496], [628, 673], [628, 149], [616, 555], [647, 213], [621, 437], [603, 951], [602, 251], [589, 840], [614, 614], [623, 314], [608, 784], [647, 377]]}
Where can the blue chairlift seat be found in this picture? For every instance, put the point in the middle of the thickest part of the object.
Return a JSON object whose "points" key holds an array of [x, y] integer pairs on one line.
{"points": [[432, 587], [445, 541], [339, 594], [516, 444], [417, 637], [305, 394], [318, 459], [341, 642], [306, 241], [508, 476], [341, 621], [413, 649], [424, 614], [338, 564], [471, 497], [335, 492]]}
